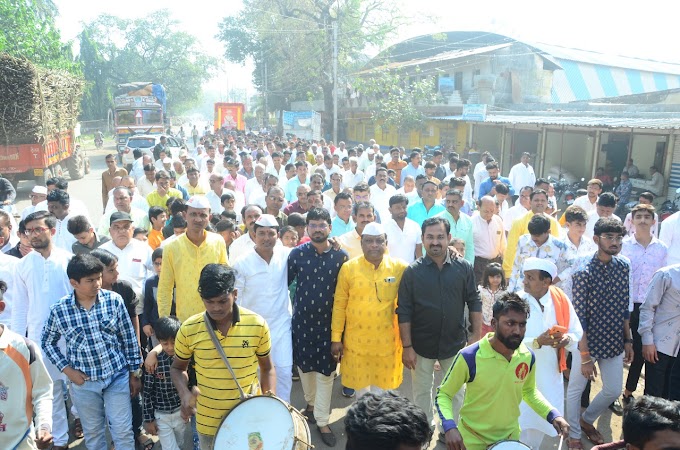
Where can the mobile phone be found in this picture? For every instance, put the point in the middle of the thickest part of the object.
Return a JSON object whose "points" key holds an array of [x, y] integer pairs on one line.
{"points": [[557, 329]]}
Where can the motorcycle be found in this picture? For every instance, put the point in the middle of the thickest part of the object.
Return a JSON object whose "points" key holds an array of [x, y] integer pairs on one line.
{"points": [[98, 142], [670, 207]]}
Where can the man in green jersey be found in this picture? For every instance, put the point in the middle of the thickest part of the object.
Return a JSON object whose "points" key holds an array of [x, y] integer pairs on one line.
{"points": [[499, 373]]}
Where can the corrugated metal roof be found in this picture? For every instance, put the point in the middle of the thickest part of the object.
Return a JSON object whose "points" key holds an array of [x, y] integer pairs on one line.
{"points": [[445, 56], [579, 121], [626, 62]]}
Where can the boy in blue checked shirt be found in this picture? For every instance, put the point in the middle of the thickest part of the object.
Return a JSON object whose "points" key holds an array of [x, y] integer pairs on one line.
{"points": [[102, 355], [161, 401]]}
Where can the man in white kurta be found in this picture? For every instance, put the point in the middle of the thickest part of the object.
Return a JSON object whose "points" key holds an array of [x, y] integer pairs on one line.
{"points": [[262, 285], [41, 281], [522, 174], [538, 276]]}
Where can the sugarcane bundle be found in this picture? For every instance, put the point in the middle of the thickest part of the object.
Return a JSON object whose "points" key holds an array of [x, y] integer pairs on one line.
{"points": [[36, 103]]}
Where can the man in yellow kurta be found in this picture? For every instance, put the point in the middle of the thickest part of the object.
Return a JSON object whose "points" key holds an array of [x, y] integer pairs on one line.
{"points": [[539, 203], [183, 260], [364, 329]]}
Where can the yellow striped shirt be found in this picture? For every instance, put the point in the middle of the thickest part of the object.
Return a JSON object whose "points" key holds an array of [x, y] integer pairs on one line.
{"points": [[246, 340]]}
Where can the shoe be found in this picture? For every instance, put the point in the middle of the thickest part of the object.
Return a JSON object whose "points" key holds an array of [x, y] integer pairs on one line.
{"points": [[309, 415], [626, 400], [616, 407], [327, 438], [296, 375], [347, 392]]}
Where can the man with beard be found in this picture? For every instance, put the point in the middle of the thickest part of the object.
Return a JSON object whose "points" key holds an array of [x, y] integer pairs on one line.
{"points": [[433, 294], [312, 311], [41, 281], [499, 372], [487, 186], [262, 284], [601, 300], [403, 234]]}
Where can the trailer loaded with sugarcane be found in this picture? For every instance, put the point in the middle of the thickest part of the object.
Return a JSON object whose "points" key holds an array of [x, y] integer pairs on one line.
{"points": [[38, 113]]}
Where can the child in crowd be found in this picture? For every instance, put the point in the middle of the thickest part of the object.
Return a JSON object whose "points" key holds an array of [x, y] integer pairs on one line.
{"points": [[299, 223], [140, 234], [459, 245], [150, 315], [493, 287], [162, 405], [157, 217], [102, 355], [228, 230], [289, 236], [26, 388]]}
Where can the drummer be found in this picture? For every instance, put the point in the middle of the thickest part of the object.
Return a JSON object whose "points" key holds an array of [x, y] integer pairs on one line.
{"points": [[244, 336], [495, 388]]}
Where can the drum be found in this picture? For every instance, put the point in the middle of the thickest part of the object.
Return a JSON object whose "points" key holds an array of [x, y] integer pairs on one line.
{"points": [[263, 422], [508, 445]]}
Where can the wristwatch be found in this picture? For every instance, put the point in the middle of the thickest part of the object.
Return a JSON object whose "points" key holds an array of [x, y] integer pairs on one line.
{"points": [[136, 373], [627, 341], [535, 344]]}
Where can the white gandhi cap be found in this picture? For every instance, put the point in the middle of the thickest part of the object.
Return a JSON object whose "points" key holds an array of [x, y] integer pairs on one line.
{"points": [[198, 202], [267, 220], [373, 229], [540, 264]]}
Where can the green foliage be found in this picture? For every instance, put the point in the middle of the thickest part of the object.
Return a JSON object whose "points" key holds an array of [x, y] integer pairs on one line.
{"points": [[395, 98], [27, 30], [294, 39], [116, 50]]}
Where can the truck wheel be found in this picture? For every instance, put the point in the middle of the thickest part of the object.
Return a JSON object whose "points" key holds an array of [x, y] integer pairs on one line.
{"points": [[76, 166], [57, 170], [42, 180]]}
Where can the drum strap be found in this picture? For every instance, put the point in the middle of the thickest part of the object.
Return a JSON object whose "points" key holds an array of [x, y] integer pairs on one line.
{"points": [[220, 350]]}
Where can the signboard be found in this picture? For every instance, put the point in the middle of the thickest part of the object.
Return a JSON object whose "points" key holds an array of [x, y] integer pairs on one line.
{"points": [[229, 116], [136, 102], [138, 114], [474, 113], [446, 86]]}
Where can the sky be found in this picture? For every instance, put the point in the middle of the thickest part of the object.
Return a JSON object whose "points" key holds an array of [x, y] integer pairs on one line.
{"points": [[644, 31]]}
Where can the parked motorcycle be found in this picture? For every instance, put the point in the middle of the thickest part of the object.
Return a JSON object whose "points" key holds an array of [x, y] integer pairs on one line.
{"points": [[670, 207]]}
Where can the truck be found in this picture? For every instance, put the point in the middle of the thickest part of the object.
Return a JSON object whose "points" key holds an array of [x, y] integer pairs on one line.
{"points": [[139, 108], [40, 113], [230, 116], [303, 124]]}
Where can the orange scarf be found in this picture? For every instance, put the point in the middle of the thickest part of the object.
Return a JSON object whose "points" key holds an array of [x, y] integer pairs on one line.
{"points": [[562, 314]]}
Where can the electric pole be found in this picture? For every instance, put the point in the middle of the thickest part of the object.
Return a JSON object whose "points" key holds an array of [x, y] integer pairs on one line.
{"points": [[335, 81]]}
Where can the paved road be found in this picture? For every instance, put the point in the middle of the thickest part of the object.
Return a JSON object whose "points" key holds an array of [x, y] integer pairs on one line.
{"points": [[88, 190]]}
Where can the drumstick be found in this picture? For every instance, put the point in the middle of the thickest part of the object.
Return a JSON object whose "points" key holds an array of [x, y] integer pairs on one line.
{"points": [[559, 447]]}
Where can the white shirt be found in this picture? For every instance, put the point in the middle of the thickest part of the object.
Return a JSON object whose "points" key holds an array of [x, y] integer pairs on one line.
{"points": [[331, 171], [489, 237], [655, 184], [62, 238], [480, 173], [263, 288], [670, 235], [216, 200], [521, 176], [8, 266], [137, 170], [241, 246], [137, 201], [140, 219], [380, 198], [584, 202], [350, 179], [593, 217], [75, 207], [548, 377], [412, 196], [402, 243], [30, 209], [40, 283], [145, 187], [252, 188], [134, 262], [513, 213]]}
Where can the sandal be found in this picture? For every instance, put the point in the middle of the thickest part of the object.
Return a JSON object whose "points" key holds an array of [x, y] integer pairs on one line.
{"points": [[575, 444], [591, 433], [145, 441], [78, 429]]}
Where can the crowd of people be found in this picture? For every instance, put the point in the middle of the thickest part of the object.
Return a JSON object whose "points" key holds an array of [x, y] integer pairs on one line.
{"points": [[308, 261]]}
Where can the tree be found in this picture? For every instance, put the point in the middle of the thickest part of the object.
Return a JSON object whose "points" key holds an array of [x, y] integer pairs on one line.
{"points": [[116, 50], [27, 30], [292, 42], [394, 99]]}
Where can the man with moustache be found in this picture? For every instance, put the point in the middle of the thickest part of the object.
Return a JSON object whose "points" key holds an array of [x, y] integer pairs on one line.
{"points": [[262, 284], [315, 265], [499, 372]]}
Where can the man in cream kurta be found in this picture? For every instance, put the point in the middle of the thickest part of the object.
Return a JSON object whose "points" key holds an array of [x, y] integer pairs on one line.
{"points": [[364, 329], [538, 276], [262, 284]]}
